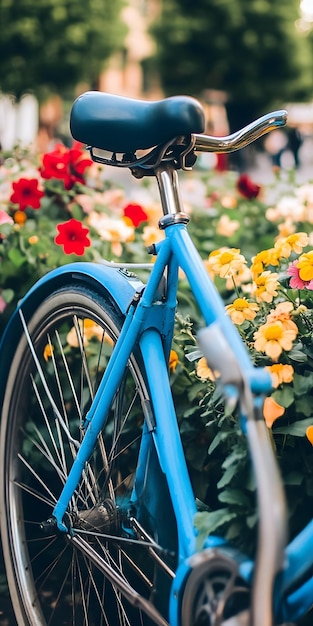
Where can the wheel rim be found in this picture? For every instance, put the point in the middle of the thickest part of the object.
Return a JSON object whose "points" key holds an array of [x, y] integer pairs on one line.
{"points": [[56, 583]]}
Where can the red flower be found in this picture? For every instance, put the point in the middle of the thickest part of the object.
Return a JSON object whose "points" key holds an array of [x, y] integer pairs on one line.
{"points": [[135, 213], [73, 237], [26, 193], [247, 187], [67, 164]]}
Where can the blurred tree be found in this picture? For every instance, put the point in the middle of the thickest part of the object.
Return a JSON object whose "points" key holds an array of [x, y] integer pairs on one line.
{"points": [[249, 48], [51, 45]]}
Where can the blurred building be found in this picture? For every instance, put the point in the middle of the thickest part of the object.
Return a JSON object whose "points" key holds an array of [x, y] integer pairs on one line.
{"points": [[128, 72]]}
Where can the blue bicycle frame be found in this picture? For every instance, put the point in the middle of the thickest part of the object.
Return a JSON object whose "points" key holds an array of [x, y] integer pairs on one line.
{"points": [[149, 317]]}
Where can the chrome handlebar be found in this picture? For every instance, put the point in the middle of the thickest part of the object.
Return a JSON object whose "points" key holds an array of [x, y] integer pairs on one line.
{"points": [[243, 137]]}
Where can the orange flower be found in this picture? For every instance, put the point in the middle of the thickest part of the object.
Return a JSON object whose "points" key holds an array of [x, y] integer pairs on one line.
{"points": [[88, 329], [20, 217], [280, 373], [48, 352], [204, 372], [309, 434], [286, 228], [226, 227], [282, 313], [273, 339], [272, 411], [173, 360]]}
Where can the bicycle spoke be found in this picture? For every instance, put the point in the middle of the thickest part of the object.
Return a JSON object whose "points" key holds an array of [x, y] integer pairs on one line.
{"points": [[63, 576]]}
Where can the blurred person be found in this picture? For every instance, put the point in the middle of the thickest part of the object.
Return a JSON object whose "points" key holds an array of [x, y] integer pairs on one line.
{"points": [[275, 145], [294, 143]]}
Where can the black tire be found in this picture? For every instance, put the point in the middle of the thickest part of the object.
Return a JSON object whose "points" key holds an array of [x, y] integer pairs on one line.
{"points": [[52, 582]]}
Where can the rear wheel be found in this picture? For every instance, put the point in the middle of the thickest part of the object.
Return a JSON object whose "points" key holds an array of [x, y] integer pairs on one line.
{"points": [[61, 578]]}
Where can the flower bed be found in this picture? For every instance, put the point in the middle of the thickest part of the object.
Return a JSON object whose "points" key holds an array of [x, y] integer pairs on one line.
{"points": [[255, 244]]}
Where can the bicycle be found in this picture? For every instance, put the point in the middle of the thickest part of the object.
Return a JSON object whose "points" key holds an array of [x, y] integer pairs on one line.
{"points": [[98, 510]]}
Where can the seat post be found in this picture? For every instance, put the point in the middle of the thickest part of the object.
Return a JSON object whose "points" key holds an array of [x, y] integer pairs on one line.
{"points": [[172, 204]]}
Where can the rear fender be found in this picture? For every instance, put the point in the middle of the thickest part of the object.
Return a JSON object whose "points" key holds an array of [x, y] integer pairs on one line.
{"points": [[119, 283]]}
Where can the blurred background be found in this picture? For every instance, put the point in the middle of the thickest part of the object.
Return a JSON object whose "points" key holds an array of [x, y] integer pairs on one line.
{"points": [[241, 58]]}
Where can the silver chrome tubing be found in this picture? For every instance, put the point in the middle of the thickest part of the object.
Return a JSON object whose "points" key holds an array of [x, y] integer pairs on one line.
{"points": [[243, 137]]}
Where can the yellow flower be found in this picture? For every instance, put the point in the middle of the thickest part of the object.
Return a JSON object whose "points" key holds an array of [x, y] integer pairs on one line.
{"points": [[305, 266], [265, 286], [241, 310], [226, 227], [204, 372], [262, 260], [280, 373], [272, 411], [273, 339], [226, 262], [173, 360], [292, 243], [33, 240], [151, 235], [48, 351]]}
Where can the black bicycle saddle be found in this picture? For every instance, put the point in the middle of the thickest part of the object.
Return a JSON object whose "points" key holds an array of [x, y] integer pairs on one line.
{"points": [[124, 125]]}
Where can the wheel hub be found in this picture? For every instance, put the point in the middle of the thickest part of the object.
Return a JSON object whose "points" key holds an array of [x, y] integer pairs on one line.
{"points": [[105, 517]]}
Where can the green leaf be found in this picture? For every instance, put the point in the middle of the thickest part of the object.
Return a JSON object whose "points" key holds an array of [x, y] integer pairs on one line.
{"points": [[284, 396], [234, 496], [293, 478], [208, 522], [227, 476], [303, 383], [16, 257], [304, 406], [297, 429], [8, 295], [77, 212], [221, 436], [234, 456], [297, 354]]}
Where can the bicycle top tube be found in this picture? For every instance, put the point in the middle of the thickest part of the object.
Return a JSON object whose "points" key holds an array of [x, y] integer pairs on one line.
{"points": [[124, 125]]}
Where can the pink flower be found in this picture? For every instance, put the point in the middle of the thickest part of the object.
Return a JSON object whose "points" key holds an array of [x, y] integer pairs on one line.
{"points": [[2, 304], [295, 281], [5, 218]]}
